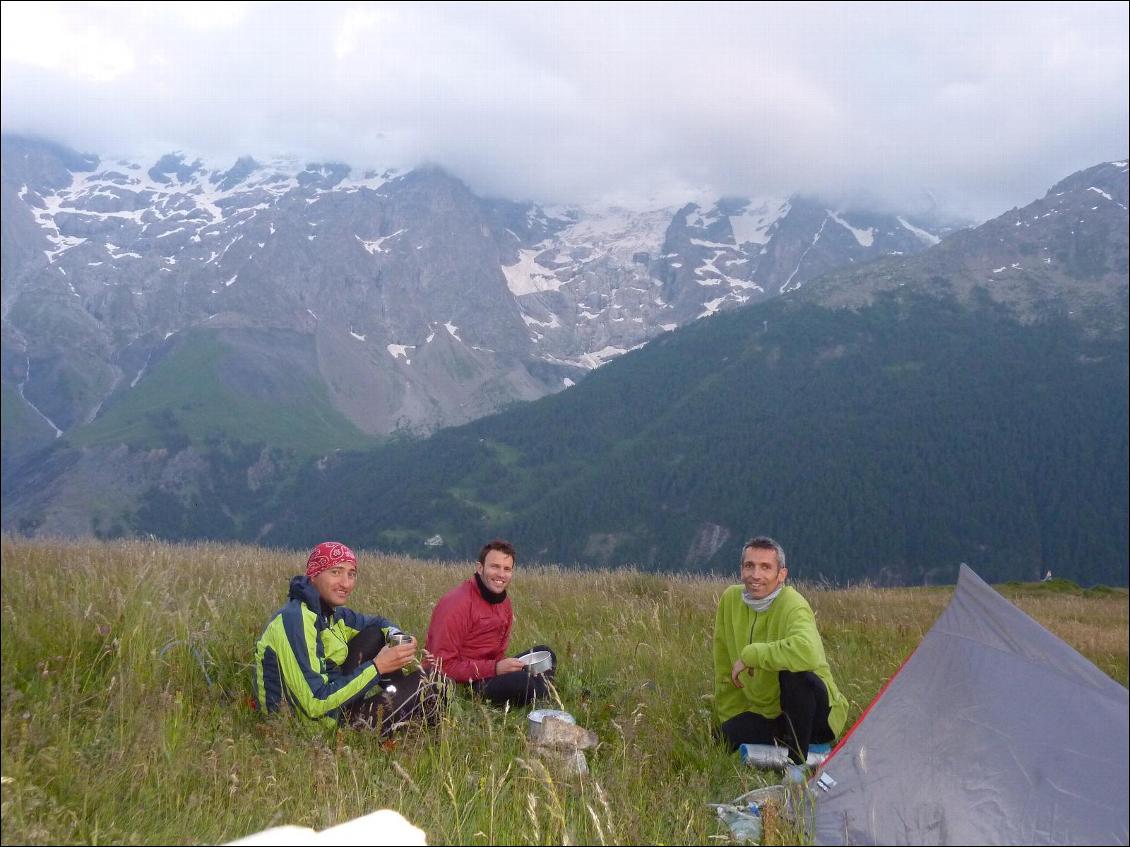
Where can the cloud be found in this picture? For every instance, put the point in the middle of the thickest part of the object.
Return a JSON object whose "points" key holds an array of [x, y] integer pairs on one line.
{"points": [[44, 39], [982, 105]]}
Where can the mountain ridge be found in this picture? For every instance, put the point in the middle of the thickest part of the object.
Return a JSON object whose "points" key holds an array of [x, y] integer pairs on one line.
{"points": [[657, 424], [104, 259]]}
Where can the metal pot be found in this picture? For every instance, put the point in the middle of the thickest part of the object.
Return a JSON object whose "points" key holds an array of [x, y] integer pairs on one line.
{"points": [[536, 718], [537, 662]]}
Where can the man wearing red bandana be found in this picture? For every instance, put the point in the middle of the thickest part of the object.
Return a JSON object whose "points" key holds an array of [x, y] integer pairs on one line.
{"points": [[333, 665]]}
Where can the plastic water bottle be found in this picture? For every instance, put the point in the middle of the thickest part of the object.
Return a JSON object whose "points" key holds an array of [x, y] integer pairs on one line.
{"points": [[744, 822], [749, 825]]}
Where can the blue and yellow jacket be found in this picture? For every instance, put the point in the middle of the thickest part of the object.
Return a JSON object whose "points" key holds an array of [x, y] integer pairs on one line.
{"points": [[300, 651]]}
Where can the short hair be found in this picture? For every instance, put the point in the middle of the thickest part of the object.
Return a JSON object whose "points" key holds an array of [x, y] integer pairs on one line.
{"points": [[499, 545], [764, 542]]}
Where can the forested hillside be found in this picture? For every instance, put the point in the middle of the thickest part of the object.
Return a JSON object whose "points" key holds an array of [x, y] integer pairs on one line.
{"points": [[888, 443]]}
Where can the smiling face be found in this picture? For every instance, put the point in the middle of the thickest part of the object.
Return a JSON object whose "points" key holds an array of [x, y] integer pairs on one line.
{"points": [[762, 574], [336, 584], [496, 571]]}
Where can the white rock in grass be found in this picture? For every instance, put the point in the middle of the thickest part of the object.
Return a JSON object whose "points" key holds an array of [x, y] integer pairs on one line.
{"points": [[562, 735]]}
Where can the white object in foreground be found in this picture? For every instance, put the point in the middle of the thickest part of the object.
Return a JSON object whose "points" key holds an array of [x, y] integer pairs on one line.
{"points": [[385, 827]]}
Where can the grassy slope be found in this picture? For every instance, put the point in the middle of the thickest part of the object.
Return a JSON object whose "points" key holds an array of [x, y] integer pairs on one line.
{"points": [[185, 393], [111, 732]]}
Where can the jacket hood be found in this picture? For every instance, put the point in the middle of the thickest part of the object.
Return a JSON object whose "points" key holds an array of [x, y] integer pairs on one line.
{"points": [[301, 588]]}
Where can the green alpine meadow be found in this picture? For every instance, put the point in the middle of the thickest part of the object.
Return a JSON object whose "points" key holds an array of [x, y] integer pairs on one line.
{"points": [[127, 683]]}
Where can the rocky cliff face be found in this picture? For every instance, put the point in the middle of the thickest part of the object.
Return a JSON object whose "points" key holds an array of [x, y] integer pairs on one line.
{"points": [[1060, 257], [429, 306]]}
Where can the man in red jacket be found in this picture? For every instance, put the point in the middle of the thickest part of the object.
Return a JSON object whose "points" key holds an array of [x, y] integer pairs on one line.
{"points": [[470, 630]]}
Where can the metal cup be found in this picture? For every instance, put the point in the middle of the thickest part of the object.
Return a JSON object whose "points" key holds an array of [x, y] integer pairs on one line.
{"points": [[395, 639]]}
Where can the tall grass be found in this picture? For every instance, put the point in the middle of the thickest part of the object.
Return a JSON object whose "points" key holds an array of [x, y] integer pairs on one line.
{"points": [[126, 676]]}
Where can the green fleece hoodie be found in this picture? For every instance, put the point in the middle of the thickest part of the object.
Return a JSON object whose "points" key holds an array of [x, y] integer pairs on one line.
{"points": [[782, 638]]}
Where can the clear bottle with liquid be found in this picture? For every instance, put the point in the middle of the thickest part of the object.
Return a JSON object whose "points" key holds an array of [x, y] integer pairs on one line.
{"points": [[744, 822]]}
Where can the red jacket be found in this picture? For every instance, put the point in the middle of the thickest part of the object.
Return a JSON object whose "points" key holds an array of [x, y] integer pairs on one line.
{"points": [[468, 635]]}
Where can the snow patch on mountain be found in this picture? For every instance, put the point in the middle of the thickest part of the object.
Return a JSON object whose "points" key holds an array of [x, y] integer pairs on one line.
{"points": [[788, 284], [617, 232], [368, 181], [552, 323], [753, 224], [527, 276], [597, 358], [400, 351], [712, 306], [865, 237], [927, 237], [20, 390], [377, 244]]}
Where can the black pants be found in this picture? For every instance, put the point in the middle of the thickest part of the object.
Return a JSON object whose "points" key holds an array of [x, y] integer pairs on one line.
{"points": [[419, 695], [803, 719], [517, 687]]}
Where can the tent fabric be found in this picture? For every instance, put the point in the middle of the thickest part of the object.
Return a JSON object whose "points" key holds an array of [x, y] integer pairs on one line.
{"points": [[993, 732]]}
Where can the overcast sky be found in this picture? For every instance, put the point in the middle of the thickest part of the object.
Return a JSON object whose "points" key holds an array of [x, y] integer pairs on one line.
{"points": [[985, 106]]}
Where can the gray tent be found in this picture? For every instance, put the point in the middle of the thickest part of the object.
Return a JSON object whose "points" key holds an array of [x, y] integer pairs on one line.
{"points": [[994, 732]]}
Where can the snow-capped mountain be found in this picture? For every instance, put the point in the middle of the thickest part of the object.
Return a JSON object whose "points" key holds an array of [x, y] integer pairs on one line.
{"points": [[423, 304], [605, 280]]}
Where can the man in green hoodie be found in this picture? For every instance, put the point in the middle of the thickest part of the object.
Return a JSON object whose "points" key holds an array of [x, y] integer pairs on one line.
{"points": [[772, 683]]}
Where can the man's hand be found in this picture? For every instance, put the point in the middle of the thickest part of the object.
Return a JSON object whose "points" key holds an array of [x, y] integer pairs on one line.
{"points": [[508, 665], [739, 666], [394, 657]]}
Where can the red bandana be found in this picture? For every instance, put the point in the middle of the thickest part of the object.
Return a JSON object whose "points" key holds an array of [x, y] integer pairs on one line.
{"points": [[328, 554]]}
